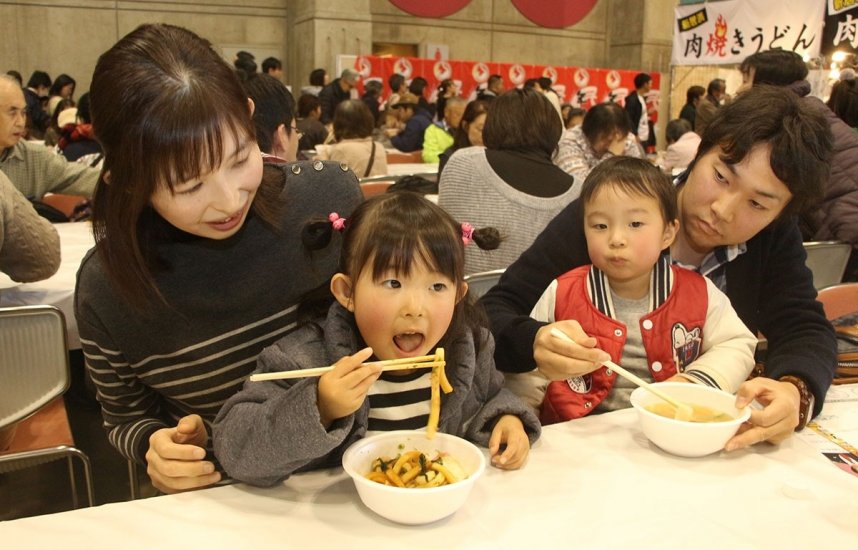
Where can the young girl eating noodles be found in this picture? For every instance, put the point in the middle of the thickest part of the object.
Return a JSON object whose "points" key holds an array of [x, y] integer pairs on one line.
{"points": [[400, 293]]}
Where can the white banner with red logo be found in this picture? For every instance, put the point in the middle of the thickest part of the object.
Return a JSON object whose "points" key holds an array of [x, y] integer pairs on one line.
{"points": [[575, 85], [717, 33]]}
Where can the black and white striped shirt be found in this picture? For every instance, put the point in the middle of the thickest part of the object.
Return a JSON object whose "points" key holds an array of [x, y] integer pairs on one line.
{"points": [[399, 402]]}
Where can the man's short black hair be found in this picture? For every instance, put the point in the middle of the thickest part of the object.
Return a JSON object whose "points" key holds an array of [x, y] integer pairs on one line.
{"points": [[39, 78], [641, 79], [775, 67], [716, 85], [271, 64], [274, 105], [798, 134]]}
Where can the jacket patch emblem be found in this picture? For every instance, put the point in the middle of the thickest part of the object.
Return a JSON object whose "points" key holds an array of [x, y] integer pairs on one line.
{"points": [[686, 346], [580, 384]]}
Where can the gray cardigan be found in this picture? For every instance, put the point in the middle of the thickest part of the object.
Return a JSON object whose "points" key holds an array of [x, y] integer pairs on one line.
{"points": [[270, 430]]}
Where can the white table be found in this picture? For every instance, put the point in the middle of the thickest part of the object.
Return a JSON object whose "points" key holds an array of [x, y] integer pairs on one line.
{"points": [[75, 240], [592, 483], [406, 169]]}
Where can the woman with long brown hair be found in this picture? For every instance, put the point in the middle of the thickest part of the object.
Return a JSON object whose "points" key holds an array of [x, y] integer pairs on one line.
{"points": [[198, 263]]}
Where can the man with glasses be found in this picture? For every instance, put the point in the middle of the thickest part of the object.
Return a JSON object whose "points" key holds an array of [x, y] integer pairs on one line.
{"points": [[274, 117]]}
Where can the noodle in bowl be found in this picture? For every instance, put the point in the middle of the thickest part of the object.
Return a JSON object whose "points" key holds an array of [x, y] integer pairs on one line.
{"points": [[413, 506]]}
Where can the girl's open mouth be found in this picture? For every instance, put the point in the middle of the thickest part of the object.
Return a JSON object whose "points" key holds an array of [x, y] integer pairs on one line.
{"points": [[408, 342]]}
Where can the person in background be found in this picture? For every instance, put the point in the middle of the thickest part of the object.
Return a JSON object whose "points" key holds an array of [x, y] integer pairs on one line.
{"points": [[29, 251], [446, 89], [62, 88], [417, 86], [416, 120], [17, 76], [36, 95], [318, 80], [79, 141], [761, 161], [716, 93], [604, 132], [835, 218], [52, 135], [371, 97], [494, 87], [682, 145], [398, 86], [844, 98], [273, 67], [353, 143], [574, 117], [198, 263], [245, 63], [438, 136], [511, 184], [637, 110], [469, 133], [273, 117], [690, 331], [692, 99], [336, 92], [402, 269], [31, 167], [313, 132]]}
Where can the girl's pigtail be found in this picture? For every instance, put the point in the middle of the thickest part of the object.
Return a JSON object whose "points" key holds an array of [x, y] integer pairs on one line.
{"points": [[317, 234], [486, 238]]}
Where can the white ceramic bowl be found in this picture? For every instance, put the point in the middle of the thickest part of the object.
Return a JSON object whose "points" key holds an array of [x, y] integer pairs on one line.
{"points": [[689, 439], [412, 506]]}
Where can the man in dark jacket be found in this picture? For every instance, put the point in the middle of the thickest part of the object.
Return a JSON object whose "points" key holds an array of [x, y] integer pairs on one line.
{"points": [[637, 110], [335, 93], [737, 228], [416, 121]]}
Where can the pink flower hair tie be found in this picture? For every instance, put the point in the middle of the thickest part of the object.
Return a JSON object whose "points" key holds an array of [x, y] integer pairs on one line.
{"points": [[336, 221], [467, 233]]}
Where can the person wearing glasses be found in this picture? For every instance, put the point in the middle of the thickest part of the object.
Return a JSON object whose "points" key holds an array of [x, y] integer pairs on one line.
{"points": [[273, 116]]}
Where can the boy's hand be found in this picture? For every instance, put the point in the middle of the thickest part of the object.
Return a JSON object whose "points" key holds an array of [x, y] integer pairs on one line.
{"points": [[342, 390], [509, 431], [559, 360]]}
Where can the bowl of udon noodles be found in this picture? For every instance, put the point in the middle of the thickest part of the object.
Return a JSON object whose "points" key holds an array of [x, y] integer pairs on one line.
{"points": [[714, 421], [408, 478]]}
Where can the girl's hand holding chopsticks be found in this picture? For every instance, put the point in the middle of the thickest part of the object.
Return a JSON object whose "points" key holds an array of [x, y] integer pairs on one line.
{"points": [[342, 389]]}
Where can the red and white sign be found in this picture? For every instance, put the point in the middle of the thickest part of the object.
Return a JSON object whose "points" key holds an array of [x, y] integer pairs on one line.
{"points": [[579, 86]]}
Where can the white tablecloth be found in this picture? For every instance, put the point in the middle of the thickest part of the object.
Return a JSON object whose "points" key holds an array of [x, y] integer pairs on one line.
{"points": [[75, 240], [589, 483], [405, 169]]}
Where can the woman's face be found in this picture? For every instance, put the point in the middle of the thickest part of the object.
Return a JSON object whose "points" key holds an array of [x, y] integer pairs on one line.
{"points": [[215, 205], [67, 91], [475, 130]]}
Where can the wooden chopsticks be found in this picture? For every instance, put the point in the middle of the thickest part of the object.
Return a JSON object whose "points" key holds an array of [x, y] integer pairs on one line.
{"points": [[419, 362]]}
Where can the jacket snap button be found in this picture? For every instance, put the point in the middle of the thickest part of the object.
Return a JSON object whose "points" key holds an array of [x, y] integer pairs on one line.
{"points": [[647, 324], [609, 372], [344, 167], [588, 405], [618, 332], [296, 169], [656, 367], [318, 165]]}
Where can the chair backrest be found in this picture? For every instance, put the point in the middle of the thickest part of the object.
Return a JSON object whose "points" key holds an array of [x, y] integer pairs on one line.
{"points": [[34, 365], [399, 157], [480, 283], [827, 261], [838, 300], [372, 188]]}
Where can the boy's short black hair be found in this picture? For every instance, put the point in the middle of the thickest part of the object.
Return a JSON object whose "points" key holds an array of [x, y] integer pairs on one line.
{"points": [[636, 177]]}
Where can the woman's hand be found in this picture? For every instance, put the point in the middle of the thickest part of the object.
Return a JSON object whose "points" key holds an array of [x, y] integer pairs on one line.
{"points": [[777, 420], [176, 457], [342, 390], [559, 360], [509, 431]]}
